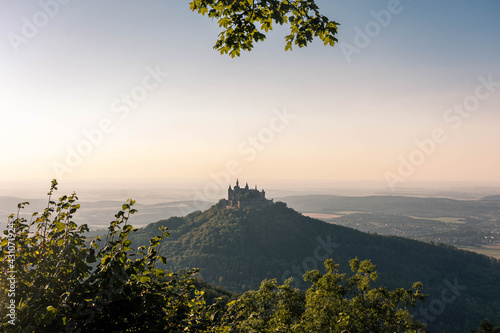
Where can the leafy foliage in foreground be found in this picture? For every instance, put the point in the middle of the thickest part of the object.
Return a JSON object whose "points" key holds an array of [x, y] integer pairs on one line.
{"points": [[336, 302], [65, 284], [246, 21], [59, 290]]}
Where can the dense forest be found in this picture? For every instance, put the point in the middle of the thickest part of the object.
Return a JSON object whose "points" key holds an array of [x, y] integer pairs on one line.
{"points": [[238, 248]]}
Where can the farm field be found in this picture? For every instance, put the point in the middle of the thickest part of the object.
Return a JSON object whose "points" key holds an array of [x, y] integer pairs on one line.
{"points": [[489, 250]]}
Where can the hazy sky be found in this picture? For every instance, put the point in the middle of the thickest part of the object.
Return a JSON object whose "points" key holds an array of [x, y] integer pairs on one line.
{"points": [[85, 95]]}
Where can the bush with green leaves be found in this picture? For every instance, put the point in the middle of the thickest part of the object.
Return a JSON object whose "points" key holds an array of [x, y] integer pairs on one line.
{"points": [[272, 308], [336, 302], [66, 284]]}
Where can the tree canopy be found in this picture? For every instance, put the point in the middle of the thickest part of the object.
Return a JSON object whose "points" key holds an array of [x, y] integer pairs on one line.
{"points": [[245, 22], [336, 302]]}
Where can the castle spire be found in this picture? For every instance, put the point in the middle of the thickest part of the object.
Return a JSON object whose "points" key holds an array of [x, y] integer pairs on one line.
{"points": [[237, 183], [246, 186]]}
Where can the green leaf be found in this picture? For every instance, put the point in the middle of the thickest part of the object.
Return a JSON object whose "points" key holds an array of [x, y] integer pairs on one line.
{"points": [[159, 272], [51, 310], [145, 279]]}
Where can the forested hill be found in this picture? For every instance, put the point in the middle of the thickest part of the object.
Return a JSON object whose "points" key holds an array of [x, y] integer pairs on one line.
{"points": [[238, 248], [491, 198]]}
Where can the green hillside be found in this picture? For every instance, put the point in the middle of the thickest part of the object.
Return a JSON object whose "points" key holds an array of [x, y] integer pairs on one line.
{"points": [[238, 248]]}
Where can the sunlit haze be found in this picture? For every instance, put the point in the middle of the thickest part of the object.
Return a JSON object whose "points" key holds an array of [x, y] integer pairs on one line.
{"points": [[133, 91]]}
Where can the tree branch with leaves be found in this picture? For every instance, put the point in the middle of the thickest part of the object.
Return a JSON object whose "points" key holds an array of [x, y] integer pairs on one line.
{"points": [[245, 22]]}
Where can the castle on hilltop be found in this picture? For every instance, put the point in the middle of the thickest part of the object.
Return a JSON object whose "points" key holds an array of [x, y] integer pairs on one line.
{"points": [[245, 197]]}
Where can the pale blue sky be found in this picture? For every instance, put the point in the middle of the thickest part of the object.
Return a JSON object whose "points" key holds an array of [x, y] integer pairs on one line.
{"points": [[353, 119]]}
